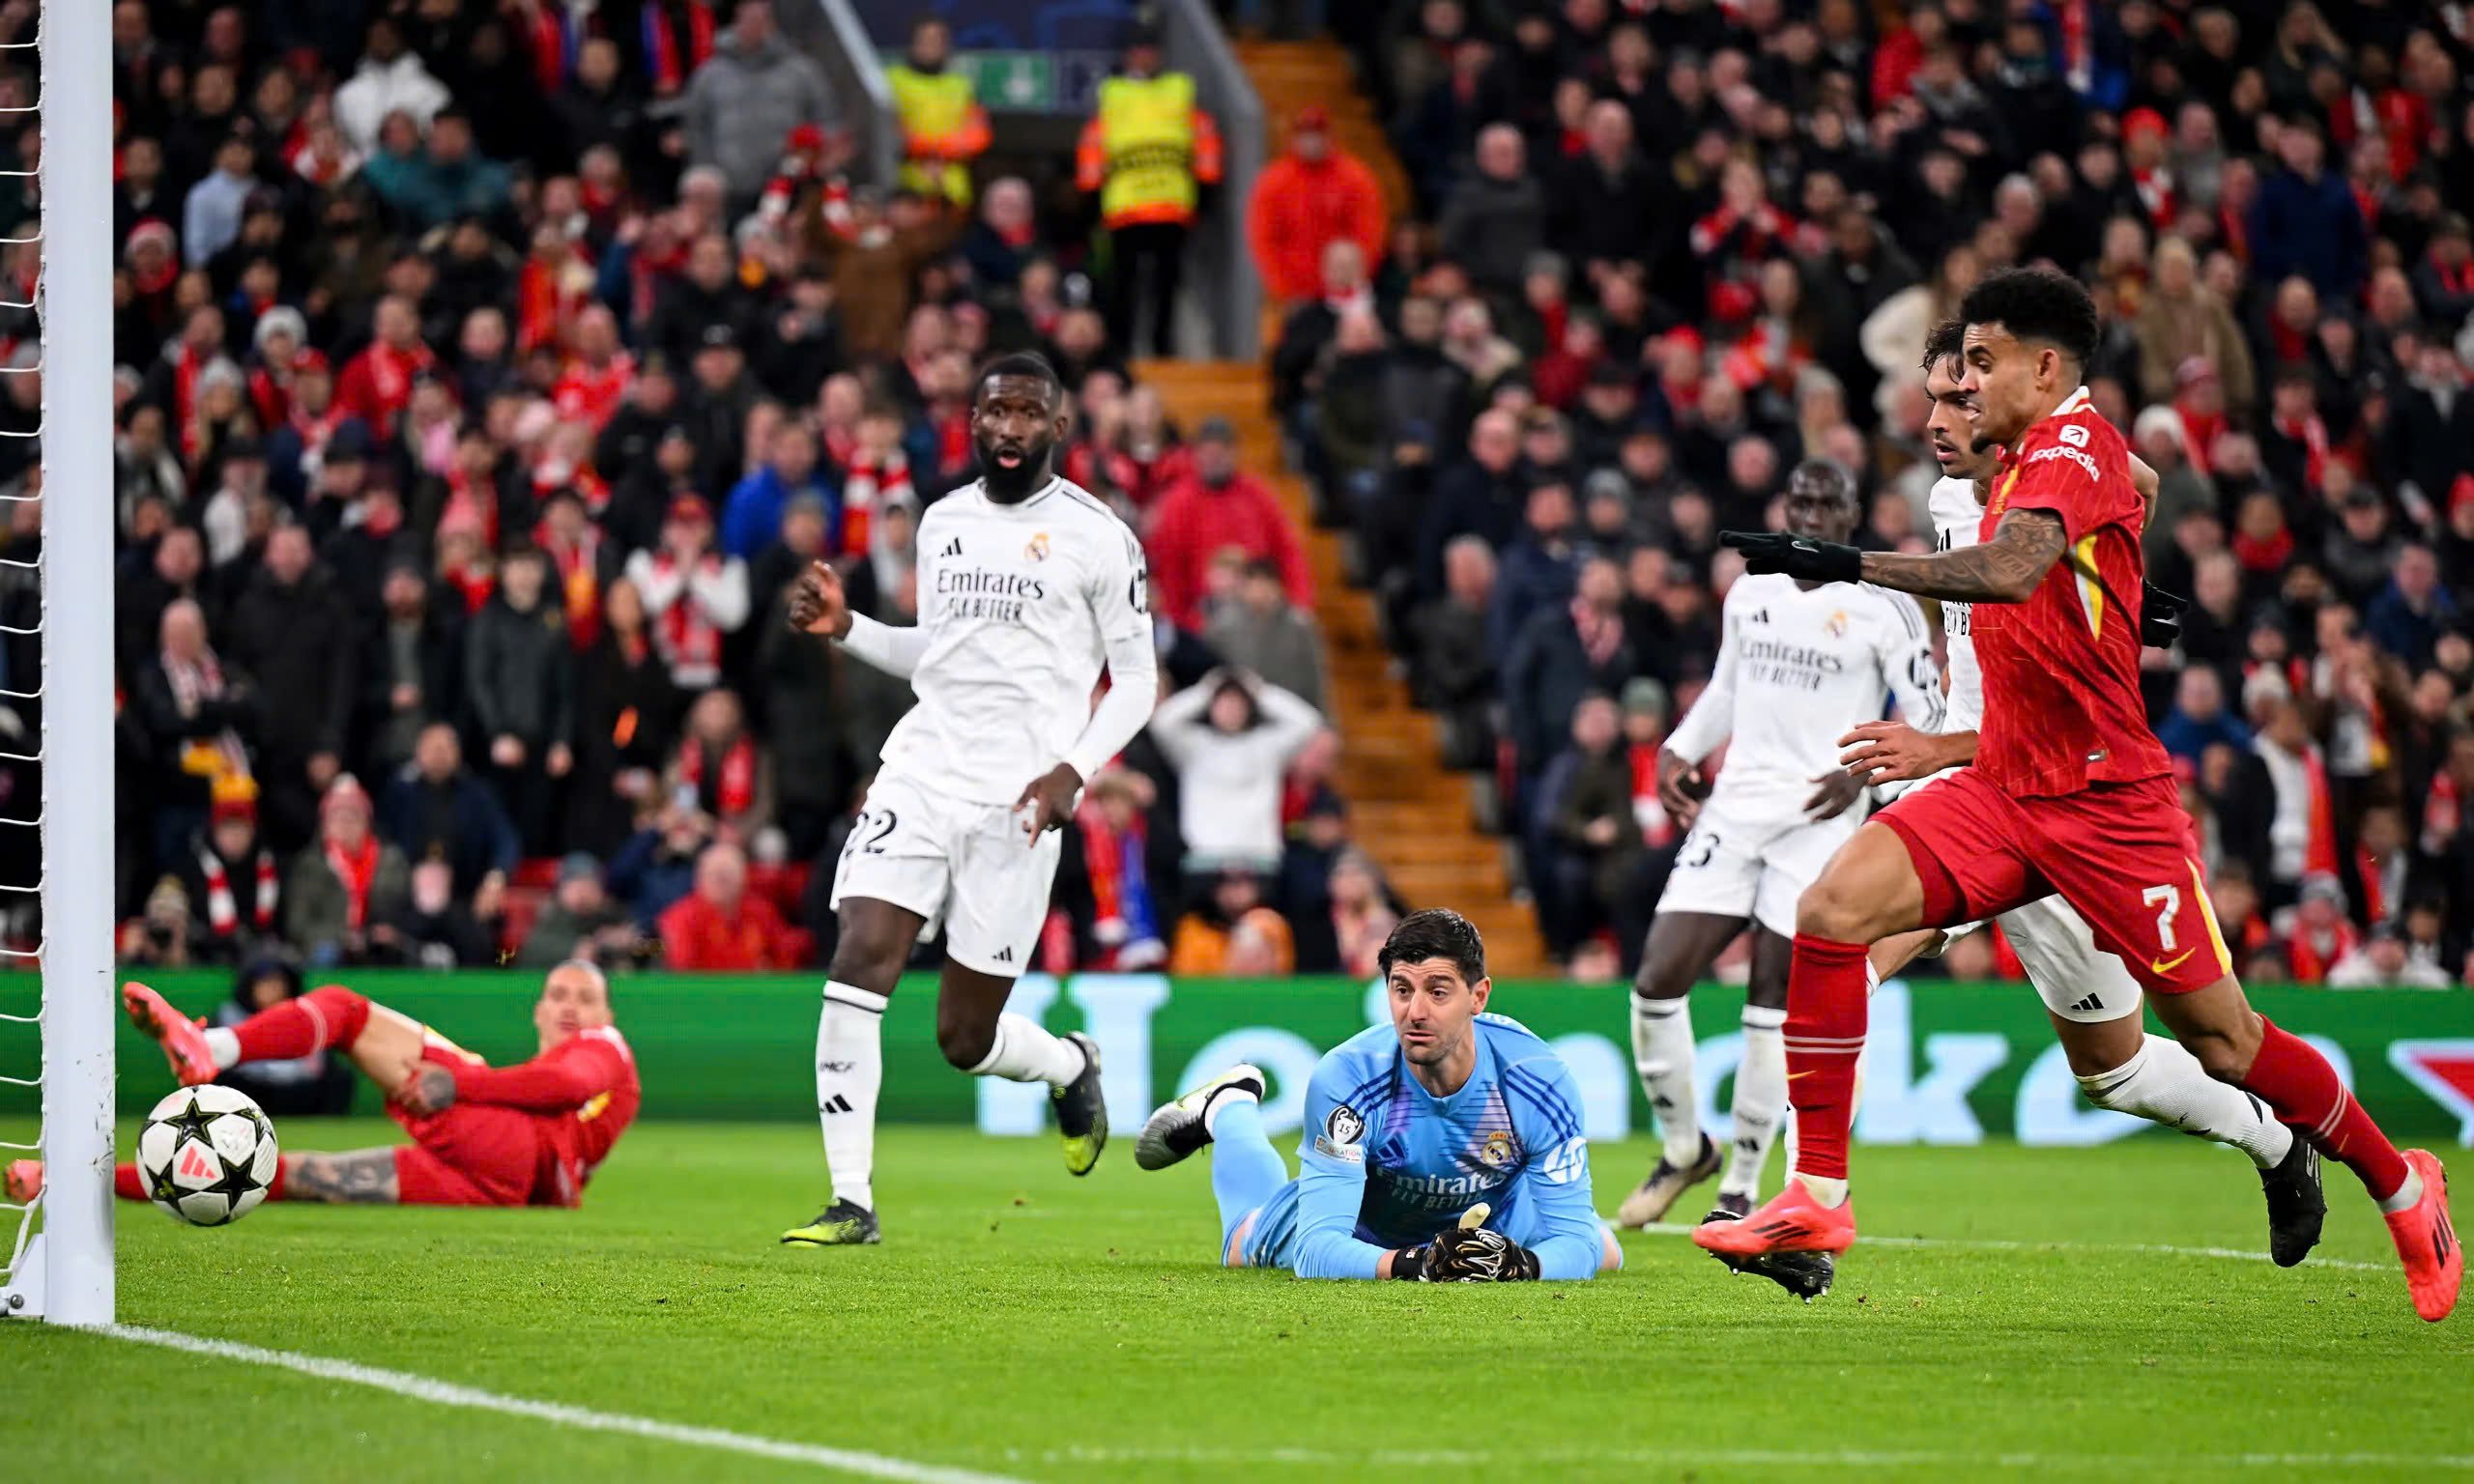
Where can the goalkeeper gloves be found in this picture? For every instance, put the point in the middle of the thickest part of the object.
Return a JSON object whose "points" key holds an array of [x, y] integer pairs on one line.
{"points": [[1798, 556], [1467, 1254], [2160, 616]]}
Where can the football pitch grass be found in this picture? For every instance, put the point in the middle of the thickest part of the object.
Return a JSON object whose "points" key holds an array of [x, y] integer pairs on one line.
{"points": [[2026, 1321]]}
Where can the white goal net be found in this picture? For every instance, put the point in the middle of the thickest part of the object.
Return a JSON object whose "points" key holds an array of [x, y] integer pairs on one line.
{"points": [[59, 1247]]}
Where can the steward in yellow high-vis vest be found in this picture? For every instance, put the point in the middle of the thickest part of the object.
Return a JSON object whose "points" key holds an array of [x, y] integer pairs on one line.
{"points": [[1148, 150], [944, 128]]}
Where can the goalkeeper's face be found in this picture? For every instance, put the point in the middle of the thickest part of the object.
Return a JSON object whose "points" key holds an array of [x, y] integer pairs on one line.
{"points": [[1431, 1009]]}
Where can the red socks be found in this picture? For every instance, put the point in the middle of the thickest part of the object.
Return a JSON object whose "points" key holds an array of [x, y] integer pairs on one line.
{"points": [[2294, 1079], [330, 1016], [1824, 1039]]}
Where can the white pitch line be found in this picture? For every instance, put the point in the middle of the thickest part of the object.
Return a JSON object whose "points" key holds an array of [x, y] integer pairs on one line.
{"points": [[447, 1393], [2136, 1248]]}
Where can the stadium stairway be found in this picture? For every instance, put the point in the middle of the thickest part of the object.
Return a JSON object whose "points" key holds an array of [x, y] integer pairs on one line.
{"points": [[1409, 812], [1406, 808]]}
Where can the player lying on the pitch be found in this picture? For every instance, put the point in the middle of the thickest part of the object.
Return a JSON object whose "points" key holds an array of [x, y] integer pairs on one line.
{"points": [[1444, 1147], [482, 1135], [2069, 793]]}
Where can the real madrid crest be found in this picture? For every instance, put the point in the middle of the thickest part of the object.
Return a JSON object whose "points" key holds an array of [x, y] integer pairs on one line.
{"points": [[1037, 550], [1499, 1151]]}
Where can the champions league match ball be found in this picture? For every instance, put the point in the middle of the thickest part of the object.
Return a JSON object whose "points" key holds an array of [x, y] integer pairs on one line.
{"points": [[207, 1154]]}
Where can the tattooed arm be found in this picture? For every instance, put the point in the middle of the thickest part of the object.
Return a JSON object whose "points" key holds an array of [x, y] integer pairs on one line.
{"points": [[2005, 569], [365, 1177]]}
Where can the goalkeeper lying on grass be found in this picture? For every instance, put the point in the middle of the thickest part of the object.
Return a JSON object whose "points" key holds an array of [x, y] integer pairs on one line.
{"points": [[1444, 1147]]}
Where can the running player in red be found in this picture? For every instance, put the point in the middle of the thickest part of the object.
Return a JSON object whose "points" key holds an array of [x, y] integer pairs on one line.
{"points": [[2069, 793], [482, 1135]]}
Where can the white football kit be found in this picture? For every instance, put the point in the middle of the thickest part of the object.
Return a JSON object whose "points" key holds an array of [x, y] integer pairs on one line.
{"points": [[1795, 670], [1019, 607], [2076, 980]]}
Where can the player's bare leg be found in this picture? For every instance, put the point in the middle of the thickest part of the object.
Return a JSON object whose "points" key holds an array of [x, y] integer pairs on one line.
{"points": [[2121, 1067], [1761, 1076], [978, 1036], [1869, 891], [1678, 952], [875, 942], [362, 1176], [2237, 1045]]}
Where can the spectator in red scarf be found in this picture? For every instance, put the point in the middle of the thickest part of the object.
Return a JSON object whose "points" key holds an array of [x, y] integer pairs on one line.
{"points": [[721, 925], [343, 890], [1314, 194], [731, 778], [1219, 505], [693, 593], [2320, 936], [378, 383]]}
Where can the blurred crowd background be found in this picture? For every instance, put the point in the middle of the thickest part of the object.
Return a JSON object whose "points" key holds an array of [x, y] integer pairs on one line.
{"points": [[489, 368]]}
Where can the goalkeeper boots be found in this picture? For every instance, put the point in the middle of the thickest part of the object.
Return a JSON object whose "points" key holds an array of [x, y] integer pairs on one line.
{"points": [[842, 1224], [22, 1182], [1081, 1116], [2296, 1205], [184, 1044], [1178, 1128], [1666, 1186]]}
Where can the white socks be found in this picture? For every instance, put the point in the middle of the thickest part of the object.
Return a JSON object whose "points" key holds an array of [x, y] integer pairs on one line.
{"points": [[1760, 1100], [2164, 1084], [1662, 1054], [223, 1044], [1023, 1051], [1211, 1106], [2405, 1196], [849, 1068]]}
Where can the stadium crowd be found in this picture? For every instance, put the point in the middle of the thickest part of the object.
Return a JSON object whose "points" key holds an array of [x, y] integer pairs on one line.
{"points": [[489, 369], [1659, 254]]}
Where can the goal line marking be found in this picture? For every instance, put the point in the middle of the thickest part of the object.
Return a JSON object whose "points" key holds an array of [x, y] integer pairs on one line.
{"points": [[2137, 1248], [446, 1393]]}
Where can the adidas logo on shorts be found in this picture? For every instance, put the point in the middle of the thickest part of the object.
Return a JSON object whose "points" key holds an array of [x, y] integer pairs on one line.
{"points": [[2086, 1005]]}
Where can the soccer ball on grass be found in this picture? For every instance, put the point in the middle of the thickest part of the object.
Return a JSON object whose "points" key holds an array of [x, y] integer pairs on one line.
{"points": [[207, 1154]]}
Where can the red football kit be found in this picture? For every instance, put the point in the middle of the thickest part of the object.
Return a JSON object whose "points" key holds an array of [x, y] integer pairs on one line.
{"points": [[2070, 791], [524, 1135]]}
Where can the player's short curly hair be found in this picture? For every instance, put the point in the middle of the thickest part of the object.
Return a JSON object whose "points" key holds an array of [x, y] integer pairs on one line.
{"points": [[2037, 303], [1435, 932], [1947, 341], [1023, 364]]}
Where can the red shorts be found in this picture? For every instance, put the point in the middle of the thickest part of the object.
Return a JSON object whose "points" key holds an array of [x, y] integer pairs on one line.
{"points": [[2122, 854], [467, 1155]]}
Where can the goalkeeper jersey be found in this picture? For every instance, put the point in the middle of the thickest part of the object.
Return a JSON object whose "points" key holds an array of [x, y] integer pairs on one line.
{"points": [[1385, 1164]]}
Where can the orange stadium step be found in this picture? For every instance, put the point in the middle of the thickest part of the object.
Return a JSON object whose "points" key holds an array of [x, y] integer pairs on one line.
{"points": [[1408, 812]]}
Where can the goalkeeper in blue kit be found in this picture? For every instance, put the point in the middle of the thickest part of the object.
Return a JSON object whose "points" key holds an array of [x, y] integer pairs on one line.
{"points": [[1443, 1146]]}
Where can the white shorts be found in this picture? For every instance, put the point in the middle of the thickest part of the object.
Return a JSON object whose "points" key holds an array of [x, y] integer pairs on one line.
{"points": [[964, 862], [2076, 980], [1732, 865]]}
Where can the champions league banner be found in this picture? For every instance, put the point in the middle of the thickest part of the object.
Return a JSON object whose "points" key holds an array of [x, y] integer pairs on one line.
{"points": [[1944, 1063]]}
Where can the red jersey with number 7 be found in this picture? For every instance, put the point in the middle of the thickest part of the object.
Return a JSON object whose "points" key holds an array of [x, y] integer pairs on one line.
{"points": [[2062, 707]]}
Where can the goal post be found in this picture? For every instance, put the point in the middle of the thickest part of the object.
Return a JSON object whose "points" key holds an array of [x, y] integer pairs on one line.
{"points": [[72, 1253]]}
